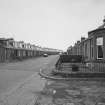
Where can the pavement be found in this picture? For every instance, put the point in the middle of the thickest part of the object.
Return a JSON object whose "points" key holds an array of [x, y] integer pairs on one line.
{"points": [[71, 91]]}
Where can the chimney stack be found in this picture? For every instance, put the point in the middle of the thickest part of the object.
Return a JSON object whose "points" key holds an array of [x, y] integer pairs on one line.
{"points": [[103, 25], [82, 39], [104, 20]]}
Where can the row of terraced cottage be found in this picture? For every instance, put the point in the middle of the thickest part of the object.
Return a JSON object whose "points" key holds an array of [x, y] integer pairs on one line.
{"points": [[92, 48], [18, 50]]}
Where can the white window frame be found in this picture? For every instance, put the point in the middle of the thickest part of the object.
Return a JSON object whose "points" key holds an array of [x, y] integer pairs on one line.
{"points": [[99, 44]]}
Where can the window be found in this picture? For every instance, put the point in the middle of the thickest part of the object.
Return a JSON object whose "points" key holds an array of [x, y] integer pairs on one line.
{"points": [[99, 43], [11, 43], [92, 52], [100, 52], [85, 49], [91, 48]]}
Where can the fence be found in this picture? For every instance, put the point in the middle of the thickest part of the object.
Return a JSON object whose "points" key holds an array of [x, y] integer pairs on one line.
{"points": [[67, 64]]}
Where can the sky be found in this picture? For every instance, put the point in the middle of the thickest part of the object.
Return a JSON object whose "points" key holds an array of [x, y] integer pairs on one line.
{"points": [[50, 23]]}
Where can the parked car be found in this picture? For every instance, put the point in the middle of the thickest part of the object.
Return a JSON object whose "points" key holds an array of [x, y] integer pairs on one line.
{"points": [[45, 55]]}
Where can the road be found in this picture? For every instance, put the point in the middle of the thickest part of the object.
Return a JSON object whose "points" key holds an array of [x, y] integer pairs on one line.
{"points": [[26, 87], [14, 74]]}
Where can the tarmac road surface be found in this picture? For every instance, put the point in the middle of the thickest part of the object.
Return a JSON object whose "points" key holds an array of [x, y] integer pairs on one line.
{"points": [[14, 74], [33, 90]]}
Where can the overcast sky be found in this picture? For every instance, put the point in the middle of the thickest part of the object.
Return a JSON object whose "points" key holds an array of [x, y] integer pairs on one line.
{"points": [[50, 23]]}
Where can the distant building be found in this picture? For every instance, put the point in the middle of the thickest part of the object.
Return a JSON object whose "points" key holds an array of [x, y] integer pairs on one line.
{"points": [[13, 50]]}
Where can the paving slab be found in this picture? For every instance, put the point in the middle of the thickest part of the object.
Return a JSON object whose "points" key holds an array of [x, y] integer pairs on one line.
{"points": [[73, 93]]}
